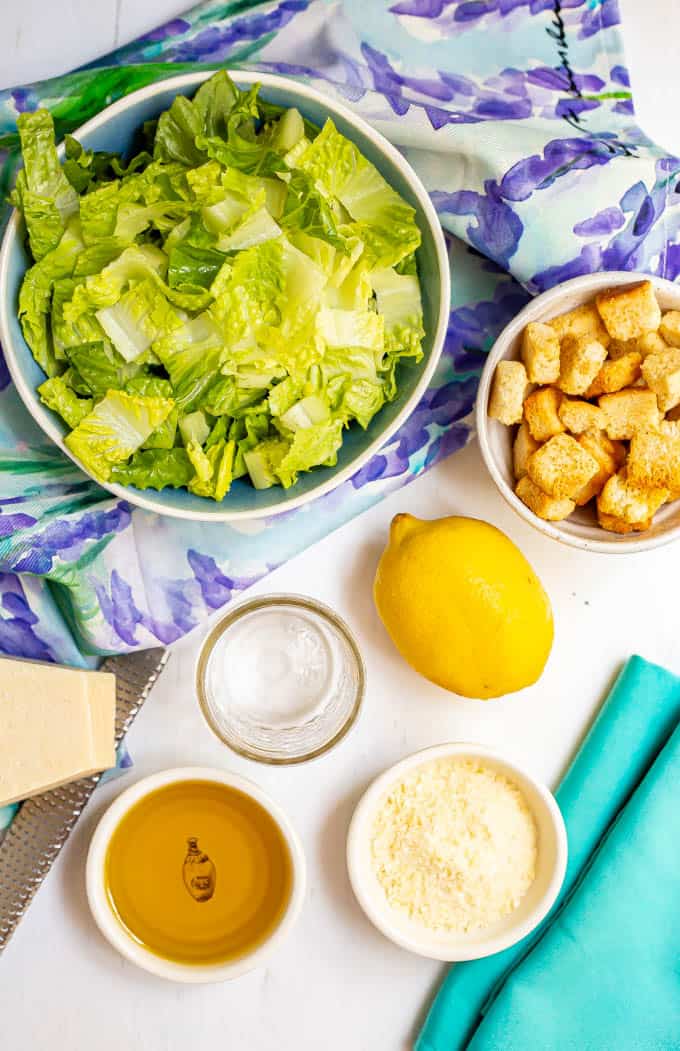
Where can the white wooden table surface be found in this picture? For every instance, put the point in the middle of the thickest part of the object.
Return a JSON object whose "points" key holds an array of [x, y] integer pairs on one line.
{"points": [[336, 985]]}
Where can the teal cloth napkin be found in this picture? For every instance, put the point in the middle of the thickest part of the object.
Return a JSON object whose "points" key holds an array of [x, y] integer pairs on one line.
{"points": [[602, 973]]}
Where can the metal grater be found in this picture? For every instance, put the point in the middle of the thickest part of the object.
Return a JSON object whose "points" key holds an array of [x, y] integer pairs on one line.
{"points": [[44, 822]]}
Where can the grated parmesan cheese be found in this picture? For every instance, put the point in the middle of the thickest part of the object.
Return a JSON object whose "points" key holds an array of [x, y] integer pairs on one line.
{"points": [[454, 845]]}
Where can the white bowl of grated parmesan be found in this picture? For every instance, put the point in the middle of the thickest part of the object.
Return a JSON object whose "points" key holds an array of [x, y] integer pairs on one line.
{"points": [[456, 852]]}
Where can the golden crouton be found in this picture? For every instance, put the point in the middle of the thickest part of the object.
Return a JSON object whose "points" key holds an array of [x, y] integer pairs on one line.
{"points": [[523, 447], [615, 375], [650, 343], [630, 311], [618, 348], [579, 416], [617, 525], [654, 459], [541, 413], [507, 392], [562, 467], [546, 507], [581, 358], [603, 448], [583, 321], [628, 410], [541, 352], [609, 455], [622, 498], [661, 373], [670, 427], [669, 329]]}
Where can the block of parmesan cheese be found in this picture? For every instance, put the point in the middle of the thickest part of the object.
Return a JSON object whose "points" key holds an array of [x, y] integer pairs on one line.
{"points": [[56, 725]]}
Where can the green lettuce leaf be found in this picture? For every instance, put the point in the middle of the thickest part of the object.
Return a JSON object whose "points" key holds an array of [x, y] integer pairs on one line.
{"points": [[253, 230], [35, 297], [148, 386], [192, 356], [84, 169], [101, 367], [311, 447], [227, 397], [117, 426], [141, 316], [351, 328], [307, 210], [193, 267], [42, 192], [398, 300], [106, 287], [55, 394], [205, 114], [381, 218], [155, 469], [262, 461], [361, 401], [219, 458]]}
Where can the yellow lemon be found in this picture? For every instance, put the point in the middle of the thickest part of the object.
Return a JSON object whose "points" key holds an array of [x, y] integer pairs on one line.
{"points": [[463, 606]]}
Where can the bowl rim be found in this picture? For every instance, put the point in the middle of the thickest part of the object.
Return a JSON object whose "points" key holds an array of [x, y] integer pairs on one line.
{"points": [[456, 952], [150, 503], [124, 943], [263, 602], [591, 283]]}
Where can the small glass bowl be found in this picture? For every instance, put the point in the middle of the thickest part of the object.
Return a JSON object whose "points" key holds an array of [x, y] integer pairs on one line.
{"points": [[280, 679]]}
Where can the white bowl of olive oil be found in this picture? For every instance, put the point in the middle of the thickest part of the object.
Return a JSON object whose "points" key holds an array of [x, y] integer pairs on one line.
{"points": [[195, 875]]}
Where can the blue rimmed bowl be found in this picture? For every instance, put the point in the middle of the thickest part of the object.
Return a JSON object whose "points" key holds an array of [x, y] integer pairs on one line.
{"points": [[114, 129]]}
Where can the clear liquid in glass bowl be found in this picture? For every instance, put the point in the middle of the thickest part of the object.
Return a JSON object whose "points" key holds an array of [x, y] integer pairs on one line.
{"points": [[280, 679]]}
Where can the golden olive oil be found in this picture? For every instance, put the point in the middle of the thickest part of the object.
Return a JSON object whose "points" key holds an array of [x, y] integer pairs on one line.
{"points": [[198, 872]]}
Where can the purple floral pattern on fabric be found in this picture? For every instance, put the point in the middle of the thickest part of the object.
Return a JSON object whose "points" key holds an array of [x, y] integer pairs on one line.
{"points": [[456, 16]]}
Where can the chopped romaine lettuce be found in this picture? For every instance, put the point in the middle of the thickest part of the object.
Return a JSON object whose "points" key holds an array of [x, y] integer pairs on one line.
{"points": [[56, 395], [115, 428], [383, 220], [42, 192], [221, 306], [155, 469]]}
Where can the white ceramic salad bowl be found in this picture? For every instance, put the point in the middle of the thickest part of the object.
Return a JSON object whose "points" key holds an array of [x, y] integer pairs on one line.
{"points": [[114, 129]]}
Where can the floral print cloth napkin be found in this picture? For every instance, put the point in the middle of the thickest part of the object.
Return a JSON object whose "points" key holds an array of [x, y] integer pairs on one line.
{"points": [[518, 117]]}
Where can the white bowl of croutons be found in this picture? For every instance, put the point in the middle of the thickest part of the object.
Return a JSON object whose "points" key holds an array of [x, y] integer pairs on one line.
{"points": [[578, 412]]}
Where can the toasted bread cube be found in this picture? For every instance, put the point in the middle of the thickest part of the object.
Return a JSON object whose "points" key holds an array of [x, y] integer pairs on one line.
{"points": [[546, 507], [562, 467], [670, 427], [523, 447], [582, 321], [650, 343], [622, 498], [617, 525], [618, 348], [669, 329], [673, 414], [541, 352], [661, 373], [629, 312], [609, 455], [628, 411], [579, 416], [509, 386], [603, 448], [581, 358], [654, 458], [615, 375], [541, 411]]}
